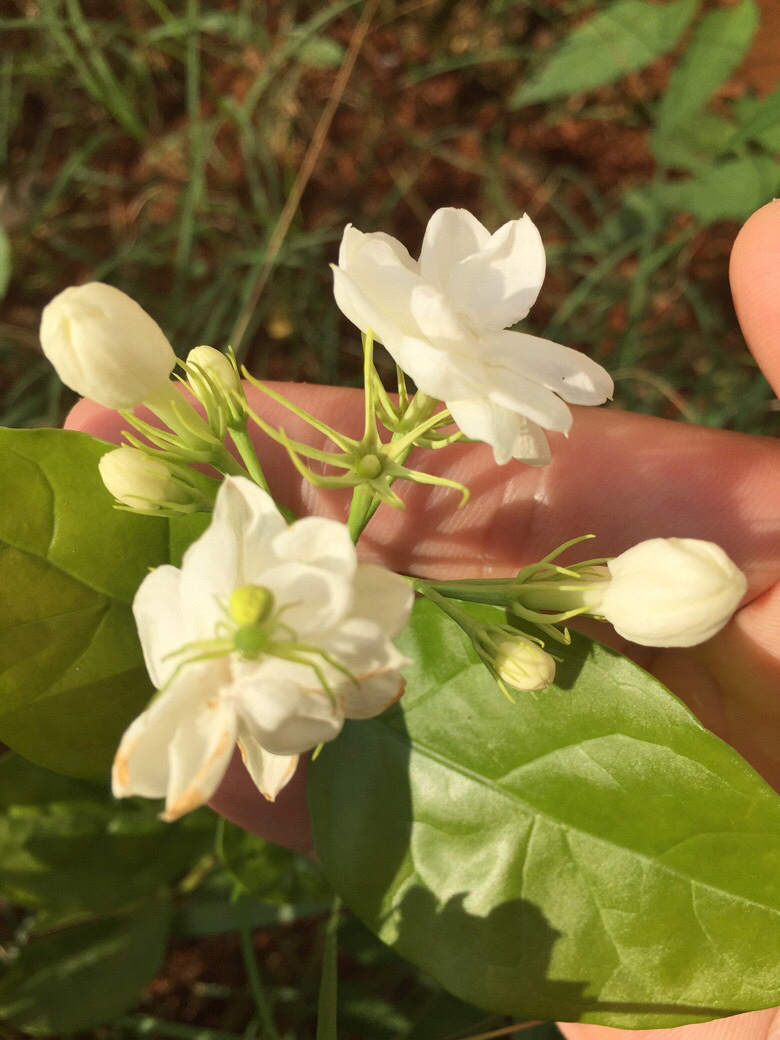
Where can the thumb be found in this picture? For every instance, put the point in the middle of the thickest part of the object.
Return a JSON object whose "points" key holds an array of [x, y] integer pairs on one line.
{"points": [[755, 278]]}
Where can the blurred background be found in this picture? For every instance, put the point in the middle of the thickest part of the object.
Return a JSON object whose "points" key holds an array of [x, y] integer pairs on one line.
{"points": [[205, 157]]}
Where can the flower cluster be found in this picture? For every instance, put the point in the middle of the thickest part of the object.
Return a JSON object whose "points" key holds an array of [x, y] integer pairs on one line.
{"points": [[268, 637], [271, 633]]}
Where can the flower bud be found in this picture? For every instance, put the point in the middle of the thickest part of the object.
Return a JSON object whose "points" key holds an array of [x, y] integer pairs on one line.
{"points": [[522, 663], [141, 481], [215, 365], [671, 592], [105, 346]]}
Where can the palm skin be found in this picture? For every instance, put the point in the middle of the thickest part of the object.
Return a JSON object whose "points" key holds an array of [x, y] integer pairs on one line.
{"points": [[619, 476]]}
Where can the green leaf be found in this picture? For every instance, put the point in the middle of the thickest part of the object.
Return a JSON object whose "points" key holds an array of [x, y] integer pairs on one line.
{"points": [[593, 854], [626, 37], [267, 871], [67, 847], [720, 42], [320, 52], [759, 121], [76, 978], [731, 190], [71, 671], [693, 144]]}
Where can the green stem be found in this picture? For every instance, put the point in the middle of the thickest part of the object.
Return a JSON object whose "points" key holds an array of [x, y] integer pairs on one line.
{"points": [[225, 463], [256, 985], [246, 450]]}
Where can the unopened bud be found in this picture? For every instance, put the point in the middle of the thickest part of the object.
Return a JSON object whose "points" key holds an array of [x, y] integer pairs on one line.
{"points": [[522, 663], [141, 481], [215, 365], [105, 346], [671, 592]]}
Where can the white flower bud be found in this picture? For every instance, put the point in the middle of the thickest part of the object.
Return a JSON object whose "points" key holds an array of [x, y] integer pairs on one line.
{"points": [[523, 664], [214, 364], [140, 481], [671, 592], [105, 346]]}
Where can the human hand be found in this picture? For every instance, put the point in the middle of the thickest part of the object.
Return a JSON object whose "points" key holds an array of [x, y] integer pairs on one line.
{"points": [[620, 476]]}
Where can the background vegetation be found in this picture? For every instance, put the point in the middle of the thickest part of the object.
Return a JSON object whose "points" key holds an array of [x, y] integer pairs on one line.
{"points": [[205, 157]]}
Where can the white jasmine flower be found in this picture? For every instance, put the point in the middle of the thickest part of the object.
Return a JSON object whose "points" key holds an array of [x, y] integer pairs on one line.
{"points": [[267, 637], [670, 592], [444, 320], [105, 346]]}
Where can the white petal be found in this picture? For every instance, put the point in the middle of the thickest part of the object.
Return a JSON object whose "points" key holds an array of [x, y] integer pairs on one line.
{"points": [[312, 598], [162, 626], [270, 772], [531, 400], [320, 542], [438, 321], [282, 716], [175, 745], [373, 695], [383, 597], [569, 373], [199, 754], [497, 286], [437, 372], [252, 514], [382, 281], [210, 570], [510, 435], [451, 236]]}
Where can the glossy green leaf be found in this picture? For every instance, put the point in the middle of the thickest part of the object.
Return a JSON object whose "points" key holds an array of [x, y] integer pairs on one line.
{"points": [[71, 672], [591, 854], [719, 44], [75, 978], [623, 38], [67, 847]]}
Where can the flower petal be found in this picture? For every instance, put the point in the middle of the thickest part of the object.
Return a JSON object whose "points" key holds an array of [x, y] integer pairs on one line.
{"points": [[320, 542], [383, 597], [162, 626], [312, 598], [451, 236], [569, 373], [373, 287], [373, 695], [199, 754], [283, 716], [270, 772], [173, 747], [497, 286], [510, 435]]}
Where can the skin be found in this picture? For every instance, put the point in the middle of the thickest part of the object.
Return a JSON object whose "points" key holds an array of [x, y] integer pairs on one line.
{"points": [[620, 476]]}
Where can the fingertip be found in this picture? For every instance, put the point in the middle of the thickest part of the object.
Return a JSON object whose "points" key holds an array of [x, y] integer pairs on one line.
{"points": [[755, 283], [89, 417]]}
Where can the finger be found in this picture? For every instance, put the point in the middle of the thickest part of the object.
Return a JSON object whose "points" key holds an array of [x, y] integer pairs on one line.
{"points": [[756, 1025], [755, 284]]}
